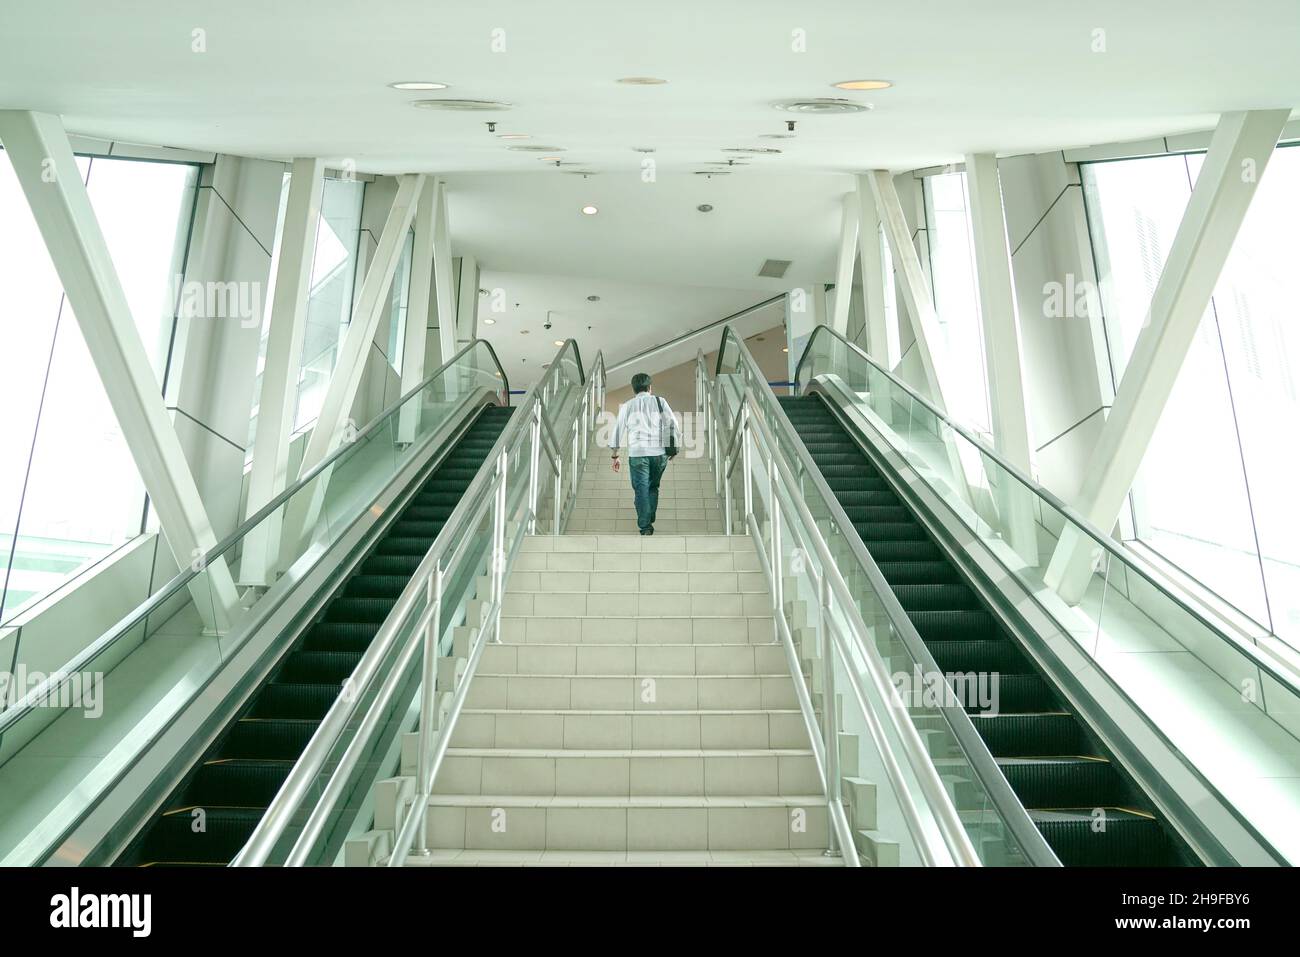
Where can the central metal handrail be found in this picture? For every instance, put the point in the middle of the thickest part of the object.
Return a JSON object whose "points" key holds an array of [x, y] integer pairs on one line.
{"points": [[486, 494]]}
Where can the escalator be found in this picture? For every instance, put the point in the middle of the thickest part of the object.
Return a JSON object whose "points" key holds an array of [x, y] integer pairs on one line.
{"points": [[1083, 805], [210, 817]]}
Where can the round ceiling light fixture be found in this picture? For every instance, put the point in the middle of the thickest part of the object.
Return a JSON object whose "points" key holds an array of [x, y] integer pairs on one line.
{"points": [[821, 106], [641, 81], [534, 148], [704, 208], [579, 172], [860, 85], [753, 150], [589, 210], [643, 149], [713, 172], [460, 106], [418, 85], [559, 342], [776, 136], [523, 332], [593, 299], [512, 136], [489, 321]]}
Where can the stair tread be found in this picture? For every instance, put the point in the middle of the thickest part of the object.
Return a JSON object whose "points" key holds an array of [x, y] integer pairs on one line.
{"points": [[623, 800], [667, 712], [499, 752]]}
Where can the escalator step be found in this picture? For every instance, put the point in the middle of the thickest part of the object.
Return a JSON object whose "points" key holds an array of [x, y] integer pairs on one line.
{"points": [[874, 514], [919, 572], [890, 532], [1064, 782], [849, 497], [408, 528], [420, 512], [1018, 693], [852, 459], [396, 545], [404, 565], [268, 739], [954, 625], [999, 657], [376, 586], [359, 609], [860, 482], [279, 700], [936, 597], [173, 839], [236, 783], [341, 636], [319, 667], [1032, 735], [1127, 838], [903, 551]]}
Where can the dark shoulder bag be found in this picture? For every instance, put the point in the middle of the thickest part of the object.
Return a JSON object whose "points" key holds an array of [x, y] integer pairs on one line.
{"points": [[670, 447]]}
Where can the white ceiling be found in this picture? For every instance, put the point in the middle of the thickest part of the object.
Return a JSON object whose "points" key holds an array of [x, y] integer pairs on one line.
{"points": [[298, 78]]}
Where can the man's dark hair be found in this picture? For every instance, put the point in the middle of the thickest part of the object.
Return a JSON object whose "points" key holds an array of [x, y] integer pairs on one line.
{"points": [[640, 382]]}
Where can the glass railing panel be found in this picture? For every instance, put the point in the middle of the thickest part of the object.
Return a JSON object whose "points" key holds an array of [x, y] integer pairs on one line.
{"points": [[141, 689]]}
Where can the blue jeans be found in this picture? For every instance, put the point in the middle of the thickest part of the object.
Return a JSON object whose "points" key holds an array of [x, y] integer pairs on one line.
{"points": [[646, 471]]}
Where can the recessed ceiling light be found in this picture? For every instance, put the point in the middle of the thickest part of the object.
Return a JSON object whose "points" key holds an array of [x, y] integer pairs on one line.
{"points": [[488, 321], [460, 106], [580, 172], [559, 342], [523, 332], [821, 105], [641, 81], [512, 136], [534, 148], [753, 150], [589, 210], [785, 348], [862, 85], [643, 149], [713, 172], [776, 136], [418, 85], [593, 299], [704, 208]]}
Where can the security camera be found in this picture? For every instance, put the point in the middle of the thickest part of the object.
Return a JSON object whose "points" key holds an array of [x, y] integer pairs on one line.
{"points": [[546, 324]]}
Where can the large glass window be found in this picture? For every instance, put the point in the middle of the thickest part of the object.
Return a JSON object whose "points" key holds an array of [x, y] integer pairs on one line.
{"points": [[69, 489], [956, 297], [1216, 492]]}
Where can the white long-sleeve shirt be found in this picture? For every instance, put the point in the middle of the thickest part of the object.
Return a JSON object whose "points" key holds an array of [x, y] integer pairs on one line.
{"points": [[643, 426]]}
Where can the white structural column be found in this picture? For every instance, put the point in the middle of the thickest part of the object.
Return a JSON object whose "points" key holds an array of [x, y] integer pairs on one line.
{"points": [[1239, 152], [1002, 350], [844, 266], [276, 407], [915, 289], [417, 311], [371, 303], [466, 301], [42, 159], [444, 282], [873, 277]]}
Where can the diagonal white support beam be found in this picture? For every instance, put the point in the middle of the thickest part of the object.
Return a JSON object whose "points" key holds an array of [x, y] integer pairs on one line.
{"points": [[371, 303], [1002, 349], [844, 266], [913, 285], [417, 310], [42, 159], [444, 282], [1242, 145], [278, 402], [873, 277]]}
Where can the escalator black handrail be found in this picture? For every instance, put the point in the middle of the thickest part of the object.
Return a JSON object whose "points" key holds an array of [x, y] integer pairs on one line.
{"points": [[310, 763], [1102, 540], [50, 687], [1007, 805]]}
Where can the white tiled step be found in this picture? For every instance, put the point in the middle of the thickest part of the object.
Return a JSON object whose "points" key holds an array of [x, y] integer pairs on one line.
{"points": [[637, 543], [663, 526], [450, 857], [605, 630], [633, 659], [523, 822], [668, 582], [626, 772], [631, 692], [717, 561], [739, 729], [568, 604]]}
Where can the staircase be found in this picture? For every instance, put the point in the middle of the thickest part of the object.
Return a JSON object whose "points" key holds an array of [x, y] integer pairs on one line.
{"points": [[637, 710], [1062, 777]]}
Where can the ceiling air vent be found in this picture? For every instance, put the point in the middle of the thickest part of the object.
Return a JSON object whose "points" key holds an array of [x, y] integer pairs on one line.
{"points": [[822, 106], [774, 268], [461, 106]]}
